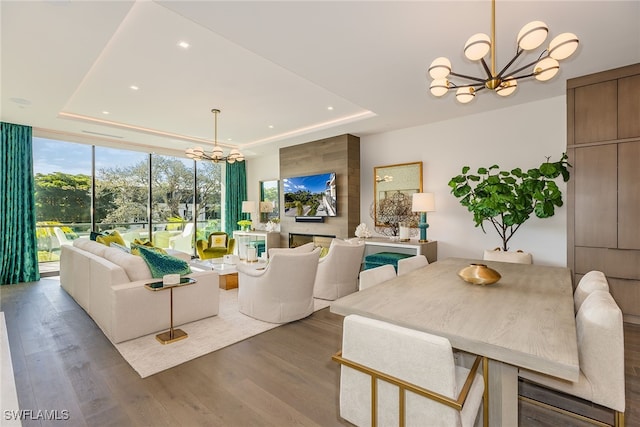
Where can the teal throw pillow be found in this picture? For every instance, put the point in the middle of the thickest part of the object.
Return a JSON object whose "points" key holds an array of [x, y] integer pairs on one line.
{"points": [[161, 264]]}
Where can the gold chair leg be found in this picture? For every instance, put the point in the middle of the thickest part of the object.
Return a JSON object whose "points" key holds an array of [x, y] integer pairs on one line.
{"points": [[619, 419], [485, 400]]}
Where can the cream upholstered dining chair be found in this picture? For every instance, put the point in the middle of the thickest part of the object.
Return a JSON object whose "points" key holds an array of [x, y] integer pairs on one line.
{"points": [[592, 281], [517, 257], [601, 356], [381, 362], [337, 274], [407, 265], [283, 291], [375, 276]]}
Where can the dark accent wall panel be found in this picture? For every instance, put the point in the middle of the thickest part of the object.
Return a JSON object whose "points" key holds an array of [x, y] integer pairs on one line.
{"points": [[339, 154]]}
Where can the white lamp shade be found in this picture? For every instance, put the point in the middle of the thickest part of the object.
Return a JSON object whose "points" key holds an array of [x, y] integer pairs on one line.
{"points": [[507, 87], [248, 207], [532, 35], [545, 69], [563, 46], [423, 202], [477, 46], [439, 87], [465, 94], [217, 152], [440, 68]]}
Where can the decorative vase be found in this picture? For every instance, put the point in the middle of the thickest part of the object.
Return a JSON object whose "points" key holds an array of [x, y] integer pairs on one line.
{"points": [[479, 274]]}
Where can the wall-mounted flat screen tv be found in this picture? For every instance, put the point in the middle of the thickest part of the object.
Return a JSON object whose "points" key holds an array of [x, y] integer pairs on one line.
{"points": [[310, 196]]}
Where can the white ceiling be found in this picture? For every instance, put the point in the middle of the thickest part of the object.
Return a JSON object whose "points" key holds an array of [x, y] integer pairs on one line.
{"points": [[266, 63]]}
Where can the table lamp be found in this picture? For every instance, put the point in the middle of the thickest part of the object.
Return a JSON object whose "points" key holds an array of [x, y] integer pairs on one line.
{"points": [[248, 207], [423, 203]]}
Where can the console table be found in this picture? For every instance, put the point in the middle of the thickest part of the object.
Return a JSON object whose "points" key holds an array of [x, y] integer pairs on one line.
{"points": [[374, 245], [246, 238], [172, 335]]}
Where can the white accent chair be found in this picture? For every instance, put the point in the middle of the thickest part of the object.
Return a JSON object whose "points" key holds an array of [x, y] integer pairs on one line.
{"points": [[601, 355], [183, 242], [407, 265], [337, 274], [392, 355], [517, 257], [283, 291], [592, 281], [375, 276]]}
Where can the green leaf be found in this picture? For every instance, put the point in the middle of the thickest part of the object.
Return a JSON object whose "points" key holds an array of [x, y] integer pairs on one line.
{"points": [[482, 171], [465, 169]]}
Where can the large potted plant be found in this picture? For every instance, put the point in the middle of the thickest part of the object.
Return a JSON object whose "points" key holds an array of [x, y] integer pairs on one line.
{"points": [[506, 199]]}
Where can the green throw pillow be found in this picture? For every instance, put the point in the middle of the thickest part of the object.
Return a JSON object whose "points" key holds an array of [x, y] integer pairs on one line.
{"points": [[161, 264]]}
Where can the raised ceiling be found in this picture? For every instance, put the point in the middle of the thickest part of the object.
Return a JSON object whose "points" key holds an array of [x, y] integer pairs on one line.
{"points": [[273, 68]]}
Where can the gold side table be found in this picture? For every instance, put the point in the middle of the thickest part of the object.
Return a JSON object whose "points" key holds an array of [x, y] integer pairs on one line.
{"points": [[172, 335]]}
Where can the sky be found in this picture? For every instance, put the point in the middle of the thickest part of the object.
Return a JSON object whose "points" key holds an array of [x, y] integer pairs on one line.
{"points": [[72, 158], [311, 183]]}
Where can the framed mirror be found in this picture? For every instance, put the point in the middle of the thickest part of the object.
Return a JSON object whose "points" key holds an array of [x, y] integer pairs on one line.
{"points": [[269, 200], [394, 185]]}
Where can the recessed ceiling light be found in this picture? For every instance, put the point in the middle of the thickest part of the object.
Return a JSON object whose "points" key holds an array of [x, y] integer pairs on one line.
{"points": [[105, 113], [134, 87], [183, 44], [329, 108], [270, 126]]}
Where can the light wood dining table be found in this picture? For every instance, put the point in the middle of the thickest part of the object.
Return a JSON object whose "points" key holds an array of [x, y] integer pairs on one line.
{"points": [[525, 320]]}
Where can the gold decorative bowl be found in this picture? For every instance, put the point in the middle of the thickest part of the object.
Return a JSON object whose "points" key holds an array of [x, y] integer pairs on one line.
{"points": [[479, 274]]}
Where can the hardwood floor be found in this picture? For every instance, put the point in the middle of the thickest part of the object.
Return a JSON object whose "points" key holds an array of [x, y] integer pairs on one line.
{"points": [[283, 377]]}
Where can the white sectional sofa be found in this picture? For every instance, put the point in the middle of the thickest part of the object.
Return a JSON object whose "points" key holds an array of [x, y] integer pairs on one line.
{"points": [[108, 284]]}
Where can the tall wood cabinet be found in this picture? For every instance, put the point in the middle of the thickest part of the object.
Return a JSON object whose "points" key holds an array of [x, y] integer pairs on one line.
{"points": [[603, 144]]}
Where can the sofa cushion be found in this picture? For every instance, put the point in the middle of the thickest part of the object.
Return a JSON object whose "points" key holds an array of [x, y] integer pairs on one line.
{"points": [[161, 264], [90, 246], [135, 267]]}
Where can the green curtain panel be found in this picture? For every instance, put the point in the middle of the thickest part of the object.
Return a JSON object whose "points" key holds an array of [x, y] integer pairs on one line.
{"points": [[236, 192], [18, 245]]}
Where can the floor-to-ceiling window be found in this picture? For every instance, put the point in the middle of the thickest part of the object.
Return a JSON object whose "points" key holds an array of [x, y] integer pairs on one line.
{"points": [[172, 184], [209, 201], [122, 192], [62, 194], [125, 182]]}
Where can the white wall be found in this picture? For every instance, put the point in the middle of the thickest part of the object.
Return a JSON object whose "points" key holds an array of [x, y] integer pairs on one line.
{"points": [[264, 168], [516, 136]]}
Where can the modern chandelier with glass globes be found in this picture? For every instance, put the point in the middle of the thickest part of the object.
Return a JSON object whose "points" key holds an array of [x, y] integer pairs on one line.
{"points": [[504, 82], [216, 155]]}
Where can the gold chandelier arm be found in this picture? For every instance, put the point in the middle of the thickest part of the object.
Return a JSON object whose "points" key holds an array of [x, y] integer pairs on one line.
{"points": [[463, 76], [542, 56]]}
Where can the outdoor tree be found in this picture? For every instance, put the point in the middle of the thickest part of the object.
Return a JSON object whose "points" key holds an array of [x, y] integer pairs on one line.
{"points": [[63, 197]]}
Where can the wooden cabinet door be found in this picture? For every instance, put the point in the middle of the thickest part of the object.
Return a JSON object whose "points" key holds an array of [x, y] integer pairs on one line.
{"points": [[595, 172], [596, 112], [629, 107], [629, 195]]}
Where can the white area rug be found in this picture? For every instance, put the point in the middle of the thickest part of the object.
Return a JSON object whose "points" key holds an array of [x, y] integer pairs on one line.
{"points": [[147, 356]]}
